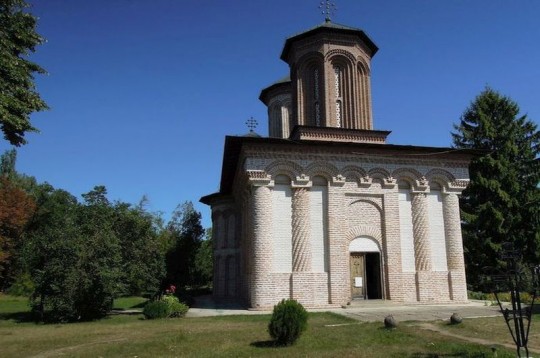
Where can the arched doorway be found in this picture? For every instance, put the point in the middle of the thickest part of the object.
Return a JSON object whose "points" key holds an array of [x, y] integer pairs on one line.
{"points": [[365, 268]]}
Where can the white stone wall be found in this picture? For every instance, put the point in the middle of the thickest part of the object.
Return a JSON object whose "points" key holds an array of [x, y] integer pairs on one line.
{"points": [[406, 232], [318, 218], [437, 232], [281, 229]]}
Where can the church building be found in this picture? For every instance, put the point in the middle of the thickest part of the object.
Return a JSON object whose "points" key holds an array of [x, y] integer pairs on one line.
{"points": [[323, 210]]}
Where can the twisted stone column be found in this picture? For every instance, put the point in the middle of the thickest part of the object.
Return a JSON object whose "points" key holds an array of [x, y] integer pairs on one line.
{"points": [[301, 244], [422, 246], [452, 227], [454, 248]]}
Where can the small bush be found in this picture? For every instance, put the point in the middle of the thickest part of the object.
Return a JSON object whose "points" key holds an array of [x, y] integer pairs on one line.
{"points": [[455, 319], [176, 308], [390, 322], [156, 309], [288, 322]]}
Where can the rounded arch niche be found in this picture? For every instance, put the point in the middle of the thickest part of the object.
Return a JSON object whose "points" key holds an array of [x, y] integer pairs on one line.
{"points": [[364, 244]]}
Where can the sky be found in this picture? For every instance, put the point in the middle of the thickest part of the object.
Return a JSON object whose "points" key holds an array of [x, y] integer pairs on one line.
{"points": [[143, 92]]}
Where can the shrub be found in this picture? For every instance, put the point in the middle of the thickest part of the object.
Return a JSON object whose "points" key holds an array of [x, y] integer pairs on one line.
{"points": [[156, 309], [176, 308], [390, 322], [455, 319], [288, 322]]}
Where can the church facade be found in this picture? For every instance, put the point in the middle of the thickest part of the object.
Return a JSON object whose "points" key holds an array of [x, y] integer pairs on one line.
{"points": [[323, 210]]}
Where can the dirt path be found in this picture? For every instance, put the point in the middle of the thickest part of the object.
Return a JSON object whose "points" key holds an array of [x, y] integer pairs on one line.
{"points": [[485, 342]]}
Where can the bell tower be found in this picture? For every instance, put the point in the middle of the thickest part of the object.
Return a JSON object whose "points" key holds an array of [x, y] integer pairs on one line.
{"points": [[330, 77]]}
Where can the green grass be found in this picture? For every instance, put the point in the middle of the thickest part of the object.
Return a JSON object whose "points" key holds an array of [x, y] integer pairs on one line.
{"points": [[328, 335], [129, 303]]}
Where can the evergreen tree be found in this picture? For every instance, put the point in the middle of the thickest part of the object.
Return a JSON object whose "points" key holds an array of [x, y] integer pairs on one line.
{"points": [[501, 203], [18, 97], [186, 235]]}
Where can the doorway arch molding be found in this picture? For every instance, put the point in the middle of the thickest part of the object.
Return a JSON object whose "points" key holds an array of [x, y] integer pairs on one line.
{"points": [[363, 231], [364, 244]]}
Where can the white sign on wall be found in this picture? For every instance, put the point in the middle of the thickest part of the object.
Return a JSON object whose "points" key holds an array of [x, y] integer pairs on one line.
{"points": [[358, 282]]}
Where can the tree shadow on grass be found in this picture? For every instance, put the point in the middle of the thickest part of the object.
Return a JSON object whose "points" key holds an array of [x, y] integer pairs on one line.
{"points": [[443, 355], [18, 317], [265, 344]]}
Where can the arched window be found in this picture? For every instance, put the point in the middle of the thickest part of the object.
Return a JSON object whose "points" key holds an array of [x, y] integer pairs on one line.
{"points": [[338, 93], [311, 92], [316, 97]]}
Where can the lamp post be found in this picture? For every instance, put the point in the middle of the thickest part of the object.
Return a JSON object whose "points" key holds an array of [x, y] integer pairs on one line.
{"points": [[516, 280]]}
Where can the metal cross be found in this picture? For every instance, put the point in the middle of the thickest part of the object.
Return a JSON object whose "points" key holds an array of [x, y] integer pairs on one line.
{"points": [[252, 124], [328, 9]]}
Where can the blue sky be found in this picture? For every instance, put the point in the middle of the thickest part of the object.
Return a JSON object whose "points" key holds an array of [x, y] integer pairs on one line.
{"points": [[142, 92]]}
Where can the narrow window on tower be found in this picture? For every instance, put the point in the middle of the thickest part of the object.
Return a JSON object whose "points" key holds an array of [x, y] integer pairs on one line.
{"points": [[316, 97], [338, 74]]}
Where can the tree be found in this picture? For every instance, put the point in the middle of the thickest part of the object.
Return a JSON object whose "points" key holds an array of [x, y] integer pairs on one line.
{"points": [[143, 258], [501, 203], [16, 208], [204, 261], [186, 234], [52, 253], [18, 96], [73, 256]]}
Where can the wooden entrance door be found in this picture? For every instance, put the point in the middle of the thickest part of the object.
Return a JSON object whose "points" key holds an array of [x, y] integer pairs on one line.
{"points": [[358, 275]]}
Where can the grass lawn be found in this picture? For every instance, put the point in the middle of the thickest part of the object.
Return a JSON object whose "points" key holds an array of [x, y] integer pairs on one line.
{"points": [[328, 335]]}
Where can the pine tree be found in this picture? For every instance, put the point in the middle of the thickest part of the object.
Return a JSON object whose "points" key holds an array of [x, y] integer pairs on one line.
{"points": [[501, 203]]}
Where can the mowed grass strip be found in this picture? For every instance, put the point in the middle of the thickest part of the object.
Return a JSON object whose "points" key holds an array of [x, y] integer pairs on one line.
{"points": [[328, 335], [494, 329]]}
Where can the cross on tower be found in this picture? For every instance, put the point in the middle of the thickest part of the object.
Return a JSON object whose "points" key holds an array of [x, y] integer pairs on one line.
{"points": [[252, 124], [328, 9]]}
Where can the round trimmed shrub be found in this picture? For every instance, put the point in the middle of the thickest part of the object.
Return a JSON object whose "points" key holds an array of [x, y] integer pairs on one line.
{"points": [[455, 319], [156, 309], [390, 322], [288, 322]]}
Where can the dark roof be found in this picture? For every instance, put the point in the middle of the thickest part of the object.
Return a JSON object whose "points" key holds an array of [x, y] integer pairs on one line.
{"points": [[330, 27], [234, 144], [253, 134], [285, 81]]}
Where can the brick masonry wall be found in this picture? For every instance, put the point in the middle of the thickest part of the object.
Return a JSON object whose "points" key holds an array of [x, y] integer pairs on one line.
{"points": [[365, 203]]}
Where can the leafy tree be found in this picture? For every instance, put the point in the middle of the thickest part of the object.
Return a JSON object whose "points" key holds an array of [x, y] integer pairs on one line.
{"points": [[16, 208], [501, 203], [143, 258], [73, 256], [7, 163], [99, 261], [186, 234], [52, 254], [204, 260], [18, 96]]}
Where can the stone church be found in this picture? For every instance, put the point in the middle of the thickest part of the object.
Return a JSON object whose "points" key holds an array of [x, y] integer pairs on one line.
{"points": [[323, 210]]}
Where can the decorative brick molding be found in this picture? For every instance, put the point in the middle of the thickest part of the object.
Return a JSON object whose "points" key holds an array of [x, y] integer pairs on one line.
{"points": [[364, 230]]}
